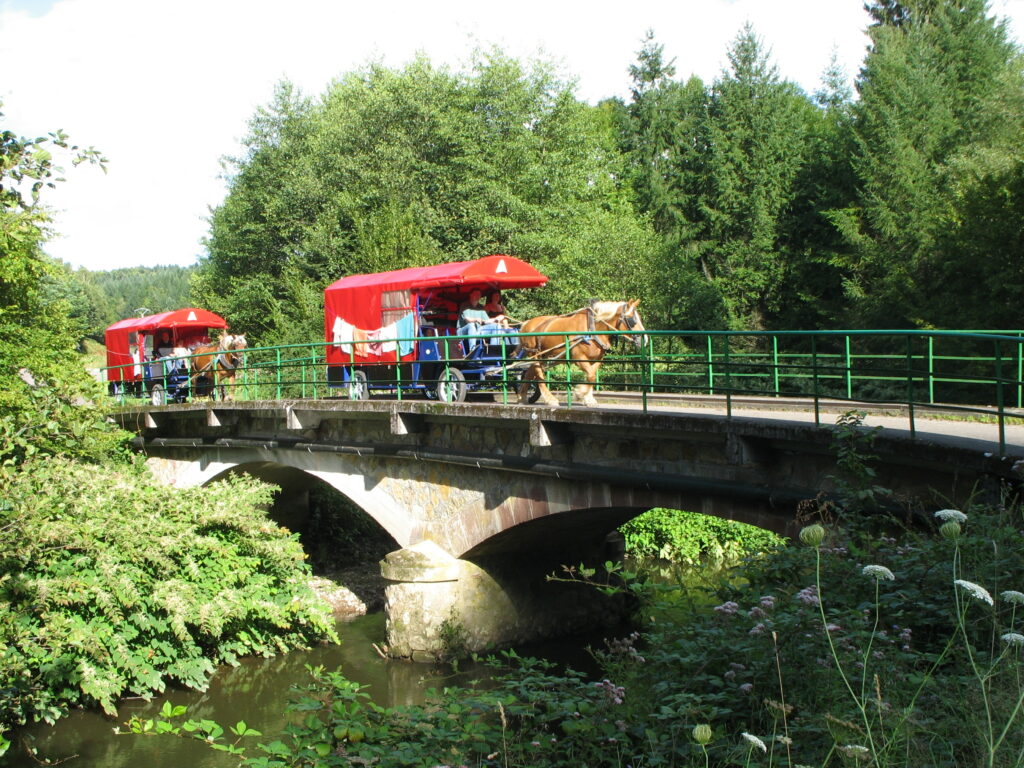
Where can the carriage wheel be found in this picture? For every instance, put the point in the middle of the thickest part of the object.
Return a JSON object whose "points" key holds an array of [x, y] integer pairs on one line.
{"points": [[358, 387], [451, 386], [157, 395]]}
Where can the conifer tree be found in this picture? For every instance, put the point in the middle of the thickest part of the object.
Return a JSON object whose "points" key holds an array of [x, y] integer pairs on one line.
{"points": [[933, 91], [758, 135]]}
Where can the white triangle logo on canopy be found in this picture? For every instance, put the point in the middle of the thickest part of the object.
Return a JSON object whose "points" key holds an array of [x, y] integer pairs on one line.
{"points": [[502, 267], [192, 316]]}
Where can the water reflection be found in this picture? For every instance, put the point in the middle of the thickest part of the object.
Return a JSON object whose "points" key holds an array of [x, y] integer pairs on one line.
{"points": [[256, 692]]}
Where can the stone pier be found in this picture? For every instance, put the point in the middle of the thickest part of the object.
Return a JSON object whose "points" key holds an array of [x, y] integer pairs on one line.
{"points": [[438, 605]]}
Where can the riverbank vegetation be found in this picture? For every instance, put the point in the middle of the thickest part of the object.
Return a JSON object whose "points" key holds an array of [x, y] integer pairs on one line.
{"points": [[865, 643]]}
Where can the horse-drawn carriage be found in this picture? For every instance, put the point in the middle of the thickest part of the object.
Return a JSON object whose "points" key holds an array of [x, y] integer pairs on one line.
{"points": [[399, 330], [150, 356]]}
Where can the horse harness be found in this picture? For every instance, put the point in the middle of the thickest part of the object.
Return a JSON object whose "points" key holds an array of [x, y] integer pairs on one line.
{"points": [[228, 360], [591, 334]]}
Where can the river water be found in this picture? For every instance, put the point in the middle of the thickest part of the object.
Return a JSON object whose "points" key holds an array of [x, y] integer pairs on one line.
{"points": [[255, 692]]}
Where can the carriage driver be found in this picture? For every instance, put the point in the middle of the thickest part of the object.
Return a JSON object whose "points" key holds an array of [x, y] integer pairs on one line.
{"points": [[163, 347]]}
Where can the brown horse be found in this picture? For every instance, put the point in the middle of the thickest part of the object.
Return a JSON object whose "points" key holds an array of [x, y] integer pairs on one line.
{"points": [[581, 336], [219, 363]]}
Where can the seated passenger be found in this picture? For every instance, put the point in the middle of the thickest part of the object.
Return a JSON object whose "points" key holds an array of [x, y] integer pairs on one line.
{"points": [[474, 320], [496, 310]]}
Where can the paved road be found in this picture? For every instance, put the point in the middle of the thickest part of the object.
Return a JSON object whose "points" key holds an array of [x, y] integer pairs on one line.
{"points": [[938, 426]]}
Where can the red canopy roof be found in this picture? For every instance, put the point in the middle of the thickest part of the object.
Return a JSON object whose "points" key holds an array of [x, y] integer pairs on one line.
{"points": [[499, 271], [190, 316]]}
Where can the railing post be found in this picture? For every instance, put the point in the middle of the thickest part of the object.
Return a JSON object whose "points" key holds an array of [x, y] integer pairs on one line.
{"points": [[814, 377], [711, 367], [728, 378], [1000, 402], [649, 345], [775, 362], [931, 370], [316, 367], [1020, 371], [849, 369], [504, 371], [398, 373], [910, 384], [279, 389], [568, 372]]}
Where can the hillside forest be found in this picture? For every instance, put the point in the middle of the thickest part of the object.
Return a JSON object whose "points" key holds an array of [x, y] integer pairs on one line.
{"points": [[740, 203]]}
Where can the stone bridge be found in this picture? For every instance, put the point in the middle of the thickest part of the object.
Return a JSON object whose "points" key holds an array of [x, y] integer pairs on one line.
{"points": [[485, 500]]}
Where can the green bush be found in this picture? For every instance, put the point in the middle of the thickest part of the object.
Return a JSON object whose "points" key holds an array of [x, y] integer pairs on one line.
{"points": [[689, 537], [113, 585]]}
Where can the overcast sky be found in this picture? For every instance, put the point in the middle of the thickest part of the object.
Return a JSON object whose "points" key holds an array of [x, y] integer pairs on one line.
{"points": [[165, 89]]}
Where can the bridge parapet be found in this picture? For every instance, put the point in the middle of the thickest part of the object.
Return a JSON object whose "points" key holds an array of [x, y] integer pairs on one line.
{"points": [[513, 463]]}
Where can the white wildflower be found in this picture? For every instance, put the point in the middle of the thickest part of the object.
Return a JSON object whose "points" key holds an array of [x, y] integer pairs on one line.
{"points": [[878, 572], [1013, 596], [951, 514], [754, 741], [1013, 638], [856, 751], [975, 591]]}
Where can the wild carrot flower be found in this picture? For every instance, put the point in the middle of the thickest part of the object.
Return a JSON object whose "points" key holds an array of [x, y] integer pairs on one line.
{"points": [[878, 572], [1013, 638], [975, 591], [1013, 596], [754, 741], [950, 530], [812, 535], [702, 733], [856, 751], [955, 515]]}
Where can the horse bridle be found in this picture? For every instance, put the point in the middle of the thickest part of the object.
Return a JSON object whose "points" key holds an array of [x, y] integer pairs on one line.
{"points": [[629, 320], [229, 358]]}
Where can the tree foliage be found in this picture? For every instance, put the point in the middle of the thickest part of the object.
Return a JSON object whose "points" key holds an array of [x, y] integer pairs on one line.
{"points": [[415, 166], [936, 132]]}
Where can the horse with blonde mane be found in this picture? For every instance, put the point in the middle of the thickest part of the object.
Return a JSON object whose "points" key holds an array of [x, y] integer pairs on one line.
{"points": [[219, 363], [581, 337]]}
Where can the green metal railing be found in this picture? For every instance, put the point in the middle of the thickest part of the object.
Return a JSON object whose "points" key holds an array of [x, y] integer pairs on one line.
{"points": [[968, 374]]}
